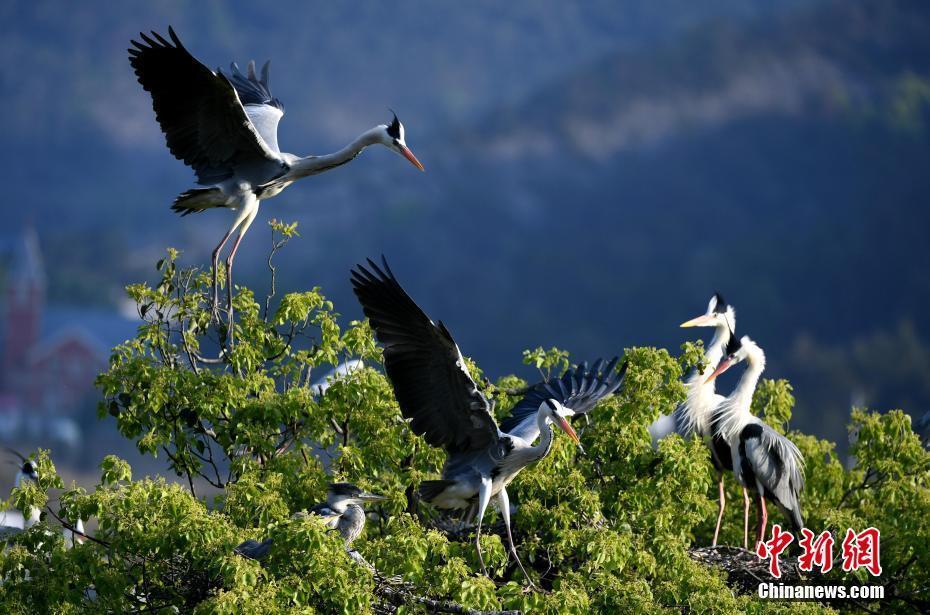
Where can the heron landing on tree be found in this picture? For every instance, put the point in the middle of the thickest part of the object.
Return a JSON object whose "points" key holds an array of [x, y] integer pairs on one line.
{"points": [[225, 127], [439, 397]]}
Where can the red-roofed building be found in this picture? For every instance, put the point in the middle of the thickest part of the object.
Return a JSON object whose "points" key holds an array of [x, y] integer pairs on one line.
{"points": [[50, 354]]}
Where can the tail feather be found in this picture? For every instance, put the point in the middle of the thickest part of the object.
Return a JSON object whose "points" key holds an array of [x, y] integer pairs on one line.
{"points": [[198, 199], [797, 522], [429, 489]]}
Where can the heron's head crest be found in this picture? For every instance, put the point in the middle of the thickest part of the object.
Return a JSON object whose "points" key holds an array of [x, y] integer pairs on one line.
{"points": [[395, 128], [719, 303], [344, 490], [733, 346]]}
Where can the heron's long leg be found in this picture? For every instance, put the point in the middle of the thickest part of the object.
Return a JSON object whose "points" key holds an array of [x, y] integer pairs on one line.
{"points": [[216, 263], [484, 496], [249, 211], [722, 503], [745, 518], [504, 501], [763, 518]]}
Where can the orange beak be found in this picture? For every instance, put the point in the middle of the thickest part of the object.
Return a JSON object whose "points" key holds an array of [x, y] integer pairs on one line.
{"points": [[724, 366], [701, 321], [565, 426], [409, 156]]}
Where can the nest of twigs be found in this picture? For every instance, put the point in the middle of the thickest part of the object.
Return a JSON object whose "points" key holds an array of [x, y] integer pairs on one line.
{"points": [[744, 569]]}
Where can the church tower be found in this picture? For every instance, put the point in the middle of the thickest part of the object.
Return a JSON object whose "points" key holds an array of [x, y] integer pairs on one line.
{"points": [[23, 298]]}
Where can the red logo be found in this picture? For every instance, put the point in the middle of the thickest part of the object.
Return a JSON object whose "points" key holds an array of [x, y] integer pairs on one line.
{"points": [[816, 552], [862, 551], [859, 550], [771, 549]]}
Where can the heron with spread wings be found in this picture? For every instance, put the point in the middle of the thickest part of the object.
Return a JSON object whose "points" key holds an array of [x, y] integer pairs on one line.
{"points": [[442, 402], [225, 127]]}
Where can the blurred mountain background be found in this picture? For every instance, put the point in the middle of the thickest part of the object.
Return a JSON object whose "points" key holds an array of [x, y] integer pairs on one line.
{"points": [[594, 172]]}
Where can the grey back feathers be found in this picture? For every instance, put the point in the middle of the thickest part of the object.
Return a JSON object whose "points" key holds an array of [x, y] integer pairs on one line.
{"points": [[778, 466], [254, 549]]}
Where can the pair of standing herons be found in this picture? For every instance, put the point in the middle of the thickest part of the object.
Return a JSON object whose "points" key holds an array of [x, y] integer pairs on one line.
{"points": [[224, 126]]}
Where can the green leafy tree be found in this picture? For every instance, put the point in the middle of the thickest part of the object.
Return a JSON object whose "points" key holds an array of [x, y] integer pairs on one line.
{"points": [[611, 531]]}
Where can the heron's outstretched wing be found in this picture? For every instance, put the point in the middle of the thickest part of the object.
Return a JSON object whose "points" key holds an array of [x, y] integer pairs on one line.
{"points": [[263, 109], [199, 111], [423, 362], [578, 389]]}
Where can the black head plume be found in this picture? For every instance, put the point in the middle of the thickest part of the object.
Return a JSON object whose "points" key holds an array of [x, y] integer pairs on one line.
{"points": [[721, 304], [17, 453], [344, 489], [394, 128], [733, 345]]}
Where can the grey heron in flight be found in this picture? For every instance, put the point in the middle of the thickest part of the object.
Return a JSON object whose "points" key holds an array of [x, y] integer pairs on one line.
{"points": [[439, 397], [764, 461], [342, 512], [693, 416], [225, 127]]}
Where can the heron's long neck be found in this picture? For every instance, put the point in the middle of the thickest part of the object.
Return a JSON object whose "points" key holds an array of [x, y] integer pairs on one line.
{"points": [[541, 448], [311, 165], [734, 412], [747, 384]]}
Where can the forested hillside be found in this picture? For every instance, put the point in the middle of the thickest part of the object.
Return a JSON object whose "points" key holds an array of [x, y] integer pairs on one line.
{"points": [[596, 189]]}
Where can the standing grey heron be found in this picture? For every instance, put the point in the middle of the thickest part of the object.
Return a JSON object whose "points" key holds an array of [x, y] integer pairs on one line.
{"points": [[693, 416], [439, 397], [225, 127], [764, 461], [342, 511]]}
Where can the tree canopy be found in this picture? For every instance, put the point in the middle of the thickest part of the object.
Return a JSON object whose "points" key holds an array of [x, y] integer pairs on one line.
{"points": [[610, 531]]}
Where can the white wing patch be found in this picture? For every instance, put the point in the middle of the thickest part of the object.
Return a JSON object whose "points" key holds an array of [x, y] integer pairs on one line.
{"points": [[265, 119]]}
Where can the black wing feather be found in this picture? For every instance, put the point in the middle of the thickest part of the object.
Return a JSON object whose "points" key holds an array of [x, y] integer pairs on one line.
{"points": [[204, 123], [578, 389], [423, 362]]}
